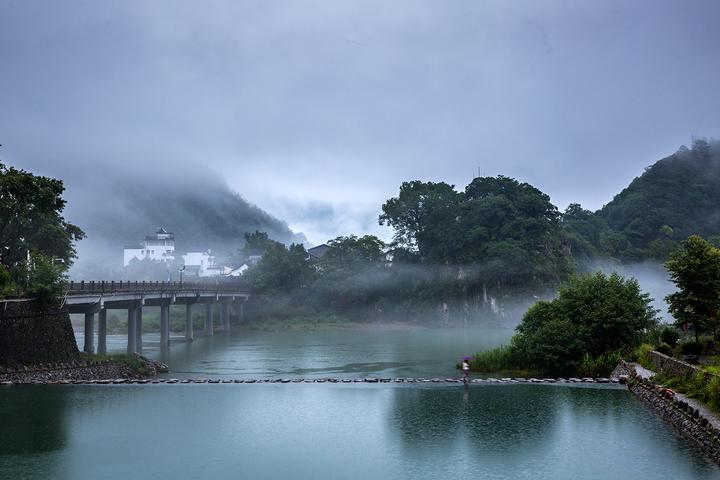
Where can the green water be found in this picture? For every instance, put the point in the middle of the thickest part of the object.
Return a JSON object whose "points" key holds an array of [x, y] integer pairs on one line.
{"points": [[335, 431]]}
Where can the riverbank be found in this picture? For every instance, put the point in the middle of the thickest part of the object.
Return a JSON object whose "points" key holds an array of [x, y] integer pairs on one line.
{"points": [[133, 367], [692, 418]]}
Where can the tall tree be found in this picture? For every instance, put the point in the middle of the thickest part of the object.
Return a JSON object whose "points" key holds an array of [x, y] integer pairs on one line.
{"points": [[36, 242], [409, 213], [31, 218], [282, 269], [695, 271]]}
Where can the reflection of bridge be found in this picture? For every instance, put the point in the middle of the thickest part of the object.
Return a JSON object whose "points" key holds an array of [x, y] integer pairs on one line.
{"points": [[93, 298]]}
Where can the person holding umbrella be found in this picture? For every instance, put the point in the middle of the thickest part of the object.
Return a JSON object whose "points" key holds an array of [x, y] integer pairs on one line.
{"points": [[466, 369]]}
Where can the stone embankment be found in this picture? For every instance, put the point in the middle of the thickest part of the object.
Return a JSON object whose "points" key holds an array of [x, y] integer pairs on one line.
{"points": [[33, 332], [693, 420], [672, 366], [81, 371], [136, 380]]}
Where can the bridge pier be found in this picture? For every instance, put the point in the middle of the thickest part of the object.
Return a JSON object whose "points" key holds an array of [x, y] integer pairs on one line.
{"points": [[209, 319], [165, 325], [225, 315], [239, 306], [102, 332], [131, 330], [189, 335], [89, 346], [138, 329]]}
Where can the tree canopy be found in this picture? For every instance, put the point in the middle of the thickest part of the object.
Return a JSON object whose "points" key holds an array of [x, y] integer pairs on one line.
{"points": [[695, 271], [508, 232], [37, 244], [592, 315]]}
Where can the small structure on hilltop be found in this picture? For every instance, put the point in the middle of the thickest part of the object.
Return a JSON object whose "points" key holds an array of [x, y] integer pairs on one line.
{"points": [[318, 252], [158, 246]]}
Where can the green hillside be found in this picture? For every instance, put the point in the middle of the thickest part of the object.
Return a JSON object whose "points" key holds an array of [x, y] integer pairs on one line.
{"points": [[676, 197]]}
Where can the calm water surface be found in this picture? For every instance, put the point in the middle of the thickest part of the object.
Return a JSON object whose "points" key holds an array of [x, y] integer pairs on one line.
{"points": [[336, 431]]}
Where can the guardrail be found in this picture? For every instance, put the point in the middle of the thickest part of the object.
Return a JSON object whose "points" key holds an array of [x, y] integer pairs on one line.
{"points": [[91, 287]]}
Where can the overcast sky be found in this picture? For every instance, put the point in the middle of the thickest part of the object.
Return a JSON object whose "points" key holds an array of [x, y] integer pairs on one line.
{"points": [[317, 110]]}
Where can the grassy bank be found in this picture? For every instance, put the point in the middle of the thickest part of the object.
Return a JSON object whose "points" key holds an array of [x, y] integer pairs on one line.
{"points": [[134, 363], [508, 360]]}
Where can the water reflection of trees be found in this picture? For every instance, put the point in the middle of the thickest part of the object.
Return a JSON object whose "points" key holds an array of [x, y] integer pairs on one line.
{"points": [[490, 418], [32, 419]]}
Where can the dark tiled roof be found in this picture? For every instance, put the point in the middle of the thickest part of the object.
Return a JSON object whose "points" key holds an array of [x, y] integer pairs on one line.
{"points": [[319, 251]]}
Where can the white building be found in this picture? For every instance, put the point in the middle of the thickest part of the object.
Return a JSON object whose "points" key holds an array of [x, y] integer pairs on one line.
{"points": [[201, 264], [158, 246]]}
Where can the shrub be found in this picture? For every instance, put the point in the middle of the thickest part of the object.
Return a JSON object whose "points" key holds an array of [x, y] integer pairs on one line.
{"points": [[692, 348], [713, 393], [600, 366], [493, 360], [665, 348], [641, 355], [670, 336], [7, 286]]}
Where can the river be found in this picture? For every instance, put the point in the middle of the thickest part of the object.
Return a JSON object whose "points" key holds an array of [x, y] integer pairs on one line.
{"points": [[349, 431]]}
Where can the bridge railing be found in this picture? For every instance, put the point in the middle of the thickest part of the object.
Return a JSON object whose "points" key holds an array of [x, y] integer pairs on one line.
{"points": [[103, 286]]}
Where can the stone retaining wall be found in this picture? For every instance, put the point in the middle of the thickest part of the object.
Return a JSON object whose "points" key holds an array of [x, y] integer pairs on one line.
{"points": [[686, 418], [31, 333], [672, 366]]}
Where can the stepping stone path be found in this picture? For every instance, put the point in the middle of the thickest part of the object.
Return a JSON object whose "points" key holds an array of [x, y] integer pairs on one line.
{"points": [[172, 381]]}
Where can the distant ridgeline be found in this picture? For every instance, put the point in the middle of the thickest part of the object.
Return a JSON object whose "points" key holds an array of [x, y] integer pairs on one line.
{"points": [[202, 212], [676, 197]]}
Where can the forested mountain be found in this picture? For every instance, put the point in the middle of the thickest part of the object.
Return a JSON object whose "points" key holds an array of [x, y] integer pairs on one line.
{"points": [[476, 254], [676, 197], [201, 211]]}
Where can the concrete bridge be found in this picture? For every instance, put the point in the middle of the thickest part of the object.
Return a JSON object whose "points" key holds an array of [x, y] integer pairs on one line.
{"points": [[96, 298]]}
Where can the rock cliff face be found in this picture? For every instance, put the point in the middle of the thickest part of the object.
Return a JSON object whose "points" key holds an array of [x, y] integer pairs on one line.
{"points": [[32, 333]]}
